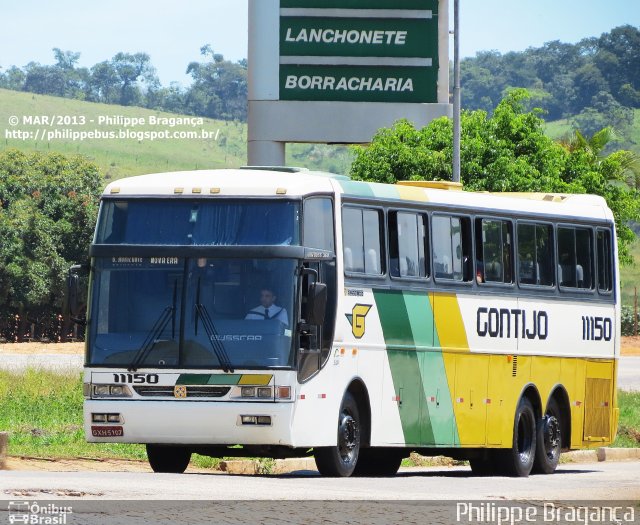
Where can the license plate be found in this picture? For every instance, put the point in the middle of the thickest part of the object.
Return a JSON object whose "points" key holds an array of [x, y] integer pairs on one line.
{"points": [[104, 432]]}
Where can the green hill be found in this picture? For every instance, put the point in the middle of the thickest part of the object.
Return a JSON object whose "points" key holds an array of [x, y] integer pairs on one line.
{"points": [[225, 145], [560, 128], [119, 157]]}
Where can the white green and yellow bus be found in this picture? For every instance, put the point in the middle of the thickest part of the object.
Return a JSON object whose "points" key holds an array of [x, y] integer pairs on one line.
{"points": [[282, 313]]}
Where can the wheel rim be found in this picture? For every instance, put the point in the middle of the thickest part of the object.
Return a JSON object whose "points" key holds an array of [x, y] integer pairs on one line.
{"points": [[348, 437], [551, 436], [525, 440]]}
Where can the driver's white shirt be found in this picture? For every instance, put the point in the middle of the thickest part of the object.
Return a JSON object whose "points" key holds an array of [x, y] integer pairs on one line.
{"points": [[275, 312]]}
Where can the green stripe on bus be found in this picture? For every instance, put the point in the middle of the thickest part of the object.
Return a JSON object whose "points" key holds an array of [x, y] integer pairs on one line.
{"points": [[405, 368], [370, 189], [434, 376], [208, 379], [357, 189]]}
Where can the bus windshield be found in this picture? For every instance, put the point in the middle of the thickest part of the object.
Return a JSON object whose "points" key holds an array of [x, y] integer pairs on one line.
{"points": [[201, 222], [192, 312]]}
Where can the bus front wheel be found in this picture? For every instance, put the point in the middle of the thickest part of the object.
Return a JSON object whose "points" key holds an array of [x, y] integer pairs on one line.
{"points": [[341, 460], [518, 460], [172, 460], [549, 440]]}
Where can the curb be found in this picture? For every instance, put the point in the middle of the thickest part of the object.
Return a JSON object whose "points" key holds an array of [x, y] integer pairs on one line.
{"points": [[617, 454], [601, 454], [4, 445]]}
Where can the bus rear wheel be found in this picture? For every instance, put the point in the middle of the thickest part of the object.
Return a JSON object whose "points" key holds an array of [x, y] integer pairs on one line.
{"points": [[377, 462], [518, 460], [172, 460], [341, 460], [549, 440]]}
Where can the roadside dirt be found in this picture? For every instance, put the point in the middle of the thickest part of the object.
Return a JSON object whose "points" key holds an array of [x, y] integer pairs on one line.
{"points": [[631, 345], [86, 464], [42, 348]]}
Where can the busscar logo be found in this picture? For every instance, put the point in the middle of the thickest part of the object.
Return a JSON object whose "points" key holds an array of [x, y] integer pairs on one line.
{"points": [[357, 319]]}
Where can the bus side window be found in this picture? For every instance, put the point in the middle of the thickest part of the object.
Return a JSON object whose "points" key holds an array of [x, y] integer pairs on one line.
{"points": [[362, 240], [575, 257], [535, 254], [318, 223], [494, 253], [604, 251], [451, 247], [408, 244]]}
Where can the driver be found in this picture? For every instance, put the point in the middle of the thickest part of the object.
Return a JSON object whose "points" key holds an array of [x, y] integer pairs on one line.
{"points": [[267, 308]]}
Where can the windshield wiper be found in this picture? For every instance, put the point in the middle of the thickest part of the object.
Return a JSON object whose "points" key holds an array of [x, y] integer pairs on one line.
{"points": [[151, 339], [218, 347]]}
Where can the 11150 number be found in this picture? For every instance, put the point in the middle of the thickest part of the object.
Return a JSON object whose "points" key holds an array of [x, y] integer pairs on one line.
{"points": [[596, 328]]}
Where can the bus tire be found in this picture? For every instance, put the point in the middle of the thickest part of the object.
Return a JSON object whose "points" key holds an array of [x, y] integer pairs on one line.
{"points": [[549, 440], [517, 461], [373, 462], [172, 460], [341, 460]]}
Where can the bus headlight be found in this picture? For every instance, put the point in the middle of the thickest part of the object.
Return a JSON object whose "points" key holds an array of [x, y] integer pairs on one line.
{"points": [[265, 392], [248, 391], [107, 391]]}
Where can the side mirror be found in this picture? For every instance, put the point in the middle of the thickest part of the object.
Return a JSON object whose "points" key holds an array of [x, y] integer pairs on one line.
{"points": [[77, 294], [317, 303]]}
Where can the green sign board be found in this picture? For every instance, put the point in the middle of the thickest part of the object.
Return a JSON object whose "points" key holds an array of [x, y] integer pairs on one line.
{"points": [[362, 4], [359, 37], [358, 83]]}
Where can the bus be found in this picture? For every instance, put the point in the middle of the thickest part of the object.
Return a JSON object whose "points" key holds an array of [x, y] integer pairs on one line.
{"points": [[280, 312]]}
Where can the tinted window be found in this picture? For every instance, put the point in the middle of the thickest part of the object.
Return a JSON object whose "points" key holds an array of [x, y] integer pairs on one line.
{"points": [[408, 241], [198, 222], [494, 252], [362, 241], [605, 252], [318, 223], [575, 257], [451, 247], [535, 254]]}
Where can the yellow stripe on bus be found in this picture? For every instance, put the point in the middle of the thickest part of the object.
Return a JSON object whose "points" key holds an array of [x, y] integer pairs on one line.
{"points": [[255, 379]]}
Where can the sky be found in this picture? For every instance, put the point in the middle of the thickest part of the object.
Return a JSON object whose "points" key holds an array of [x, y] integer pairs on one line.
{"points": [[172, 31]]}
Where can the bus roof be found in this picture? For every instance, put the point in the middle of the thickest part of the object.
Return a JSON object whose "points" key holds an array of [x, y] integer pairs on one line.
{"points": [[293, 182]]}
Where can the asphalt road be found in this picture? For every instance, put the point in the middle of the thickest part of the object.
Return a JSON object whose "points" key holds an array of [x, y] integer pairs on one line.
{"points": [[588, 481], [628, 374]]}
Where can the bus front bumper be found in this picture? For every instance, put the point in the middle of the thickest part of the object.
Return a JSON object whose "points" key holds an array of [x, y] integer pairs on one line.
{"points": [[184, 422]]}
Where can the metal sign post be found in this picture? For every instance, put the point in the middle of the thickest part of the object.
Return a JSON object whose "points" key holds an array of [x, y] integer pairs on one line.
{"points": [[456, 92]]}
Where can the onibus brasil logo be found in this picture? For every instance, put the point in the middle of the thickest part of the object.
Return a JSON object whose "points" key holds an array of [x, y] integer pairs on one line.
{"points": [[31, 512], [356, 319]]}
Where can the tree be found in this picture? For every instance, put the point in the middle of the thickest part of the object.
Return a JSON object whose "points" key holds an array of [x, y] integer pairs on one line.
{"points": [[48, 207], [131, 69], [219, 88], [505, 152], [604, 111]]}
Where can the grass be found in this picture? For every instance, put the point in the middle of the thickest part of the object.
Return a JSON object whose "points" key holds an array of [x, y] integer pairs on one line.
{"points": [[118, 158], [629, 425], [630, 276], [42, 411]]}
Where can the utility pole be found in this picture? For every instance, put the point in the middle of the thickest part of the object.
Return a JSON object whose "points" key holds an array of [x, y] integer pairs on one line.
{"points": [[456, 91]]}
